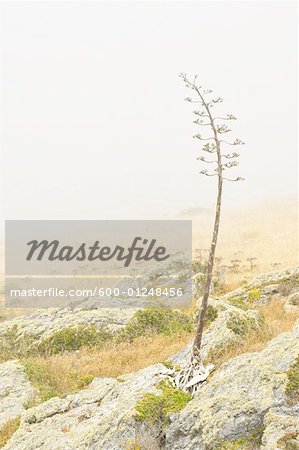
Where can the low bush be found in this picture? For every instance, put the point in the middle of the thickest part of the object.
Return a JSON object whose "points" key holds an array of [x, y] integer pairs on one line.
{"points": [[241, 325], [155, 320], [292, 388], [146, 322], [38, 375], [154, 410], [74, 338]]}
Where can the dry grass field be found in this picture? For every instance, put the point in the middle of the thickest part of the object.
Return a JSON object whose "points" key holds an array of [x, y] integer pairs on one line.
{"points": [[114, 360], [80, 367], [253, 240]]}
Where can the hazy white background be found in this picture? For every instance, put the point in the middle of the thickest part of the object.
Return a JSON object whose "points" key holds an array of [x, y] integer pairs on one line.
{"points": [[94, 123]]}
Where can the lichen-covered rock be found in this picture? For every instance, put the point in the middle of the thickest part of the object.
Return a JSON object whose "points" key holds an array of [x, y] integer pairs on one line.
{"points": [[290, 276], [234, 308], [236, 399], [245, 394], [292, 303], [15, 391], [221, 331], [42, 324], [281, 428], [262, 288], [98, 418]]}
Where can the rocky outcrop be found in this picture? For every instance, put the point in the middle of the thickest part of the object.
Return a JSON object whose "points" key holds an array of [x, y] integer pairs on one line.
{"points": [[222, 330], [281, 429], [247, 393], [288, 277], [235, 401], [292, 303], [262, 288], [101, 417], [15, 391], [42, 324], [235, 307]]}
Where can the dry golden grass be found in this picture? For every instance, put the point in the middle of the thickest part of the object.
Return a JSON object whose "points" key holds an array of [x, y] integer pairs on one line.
{"points": [[8, 430], [267, 232], [276, 321], [80, 367], [129, 357]]}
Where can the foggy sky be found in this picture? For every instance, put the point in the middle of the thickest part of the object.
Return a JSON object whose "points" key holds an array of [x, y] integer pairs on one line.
{"points": [[94, 123]]}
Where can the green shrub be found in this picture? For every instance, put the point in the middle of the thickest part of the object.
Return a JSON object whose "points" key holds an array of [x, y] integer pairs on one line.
{"points": [[154, 410], [73, 338], [254, 295], [38, 375], [85, 380], [149, 321], [241, 325], [155, 320], [13, 345], [292, 388]]}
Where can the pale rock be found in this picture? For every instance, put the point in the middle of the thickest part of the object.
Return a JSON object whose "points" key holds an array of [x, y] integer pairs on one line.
{"points": [[281, 423], [15, 391], [280, 284], [44, 323], [98, 418], [246, 393], [235, 400], [292, 303]]}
